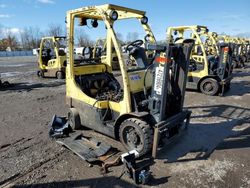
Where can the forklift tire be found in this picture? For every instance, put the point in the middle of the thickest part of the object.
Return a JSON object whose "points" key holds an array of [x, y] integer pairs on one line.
{"points": [[74, 119], [209, 86], [60, 75], [136, 134], [40, 74]]}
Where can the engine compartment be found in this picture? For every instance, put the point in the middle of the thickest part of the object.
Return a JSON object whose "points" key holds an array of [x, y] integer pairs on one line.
{"points": [[100, 86]]}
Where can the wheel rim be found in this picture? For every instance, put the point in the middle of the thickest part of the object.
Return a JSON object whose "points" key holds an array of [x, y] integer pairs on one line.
{"points": [[208, 87], [132, 138], [59, 75]]}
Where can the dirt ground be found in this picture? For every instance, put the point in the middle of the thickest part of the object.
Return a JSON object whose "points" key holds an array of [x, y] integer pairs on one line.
{"points": [[214, 152]]}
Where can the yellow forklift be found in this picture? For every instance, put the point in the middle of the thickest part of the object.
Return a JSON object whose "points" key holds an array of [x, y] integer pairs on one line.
{"points": [[245, 50], [238, 53], [210, 69], [52, 57], [143, 106], [236, 56]]}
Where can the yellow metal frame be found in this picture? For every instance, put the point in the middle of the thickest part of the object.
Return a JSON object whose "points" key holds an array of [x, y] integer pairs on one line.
{"points": [[57, 63], [213, 39], [197, 31], [129, 85]]}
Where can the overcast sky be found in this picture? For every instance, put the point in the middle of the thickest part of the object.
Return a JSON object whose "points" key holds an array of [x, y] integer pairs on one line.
{"points": [[229, 16]]}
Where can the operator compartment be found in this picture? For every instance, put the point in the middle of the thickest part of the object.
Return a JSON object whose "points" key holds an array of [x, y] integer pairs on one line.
{"points": [[100, 86], [110, 65]]}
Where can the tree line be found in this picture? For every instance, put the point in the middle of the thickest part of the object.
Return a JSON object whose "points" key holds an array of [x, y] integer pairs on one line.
{"points": [[30, 37], [27, 38]]}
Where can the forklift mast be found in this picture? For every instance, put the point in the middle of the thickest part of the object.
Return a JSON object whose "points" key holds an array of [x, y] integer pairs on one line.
{"points": [[225, 60], [170, 76]]}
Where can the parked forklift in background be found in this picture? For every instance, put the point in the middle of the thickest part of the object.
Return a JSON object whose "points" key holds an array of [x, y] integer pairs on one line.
{"points": [[210, 69], [238, 54], [245, 50], [142, 107], [52, 57]]}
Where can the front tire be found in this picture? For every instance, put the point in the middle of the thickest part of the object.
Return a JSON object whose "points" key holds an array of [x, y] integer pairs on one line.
{"points": [[60, 75], [209, 86], [40, 73], [136, 134]]}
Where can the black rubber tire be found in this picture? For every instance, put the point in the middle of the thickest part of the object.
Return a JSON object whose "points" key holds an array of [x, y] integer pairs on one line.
{"points": [[59, 75], [6, 84], [143, 131], [209, 86], [74, 119], [40, 74]]}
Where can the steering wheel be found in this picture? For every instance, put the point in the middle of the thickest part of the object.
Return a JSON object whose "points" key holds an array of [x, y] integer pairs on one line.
{"points": [[136, 43]]}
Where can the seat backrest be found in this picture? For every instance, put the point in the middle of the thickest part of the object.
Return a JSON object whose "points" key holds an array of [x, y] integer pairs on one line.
{"points": [[140, 56]]}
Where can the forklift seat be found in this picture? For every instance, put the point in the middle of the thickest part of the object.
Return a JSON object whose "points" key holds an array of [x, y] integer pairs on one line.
{"points": [[140, 56]]}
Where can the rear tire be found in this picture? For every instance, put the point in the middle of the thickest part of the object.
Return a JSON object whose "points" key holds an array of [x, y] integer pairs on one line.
{"points": [[136, 134], [209, 86], [60, 75], [40, 73], [74, 119]]}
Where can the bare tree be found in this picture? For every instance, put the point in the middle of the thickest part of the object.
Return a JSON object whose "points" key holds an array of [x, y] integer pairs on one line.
{"points": [[132, 36], [82, 39], [1, 31], [56, 30], [119, 37], [30, 38], [10, 41]]}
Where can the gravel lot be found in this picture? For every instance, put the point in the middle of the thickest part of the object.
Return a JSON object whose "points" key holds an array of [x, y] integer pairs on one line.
{"points": [[214, 152]]}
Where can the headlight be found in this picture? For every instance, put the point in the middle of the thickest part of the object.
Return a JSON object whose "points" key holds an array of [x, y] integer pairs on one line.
{"points": [[144, 20], [113, 15]]}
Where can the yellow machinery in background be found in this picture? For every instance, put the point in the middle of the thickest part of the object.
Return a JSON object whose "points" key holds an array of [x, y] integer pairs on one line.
{"points": [[238, 55], [52, 57], [210, 68]]}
